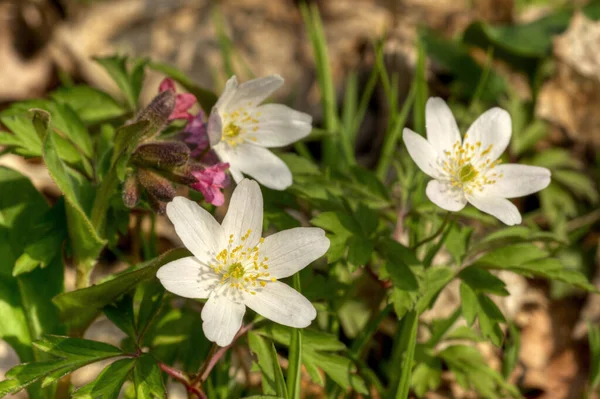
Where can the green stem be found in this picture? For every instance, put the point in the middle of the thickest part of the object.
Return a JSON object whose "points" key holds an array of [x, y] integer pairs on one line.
{"points": [[103, 196], [434, 235], [409, 338]]}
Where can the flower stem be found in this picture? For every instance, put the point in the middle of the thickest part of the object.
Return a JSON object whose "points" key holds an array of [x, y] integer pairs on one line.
{"points": [[215, 354], [183, 378], [434, 235]]}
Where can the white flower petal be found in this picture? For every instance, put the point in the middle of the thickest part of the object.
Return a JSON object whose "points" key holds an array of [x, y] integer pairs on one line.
{"points": [[254, 92], [197, 229], [231, 88], [290, 251], [222, 318], [215, 127], [498, 207], [442, 130], [281, 304], [257, 162], [492, 128], [518, 180], [236, 174], [421, 151], [445, 196], [188, 278], [245, 213], [279, 125]]}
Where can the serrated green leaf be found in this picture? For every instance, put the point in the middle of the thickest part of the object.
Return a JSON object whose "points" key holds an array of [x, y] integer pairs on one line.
{"points": [[434, 281], [483, 281], [68, 347], [578, 183], [121, 313], [359, 251], [80, 307], [108, 384], [128, 80], [147, 378], [85, 240], [272, 376], [512, 255], [468, 303]]}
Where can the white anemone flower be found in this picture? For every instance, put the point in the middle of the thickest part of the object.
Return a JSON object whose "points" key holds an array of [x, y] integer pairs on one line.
{"points": [[469, 170], [234, 267], [240, 130]]}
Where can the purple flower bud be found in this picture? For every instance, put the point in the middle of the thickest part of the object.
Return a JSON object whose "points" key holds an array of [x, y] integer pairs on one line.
{"points": [[131, 191], [157, 113], [156, 185], [161, 154], [210, 181]]}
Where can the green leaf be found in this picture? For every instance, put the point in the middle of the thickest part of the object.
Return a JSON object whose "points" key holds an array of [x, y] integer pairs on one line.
{"points": [[400, 262], [84, 239], [457, 59], [300, 166], [457, 241], [25, 137], [129, 81], [481, 280], [25, 305], [512, 346], [68, 347], [577, 183], [489, 316], [468, 303], [148, 379], [294, 373], [121, 313], [78, 308], [594, 342], [427, 375], [434, 281], [206, 98], [108, 384], [90, 104], [73, 353], [359, 251], [512, 255], [152, 296], [340, 369], [268, 363]]}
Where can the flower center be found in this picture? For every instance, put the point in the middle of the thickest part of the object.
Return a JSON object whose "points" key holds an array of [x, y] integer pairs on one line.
{"points": [[238, 125], [242, 267], [468, 173], [469, 167]]}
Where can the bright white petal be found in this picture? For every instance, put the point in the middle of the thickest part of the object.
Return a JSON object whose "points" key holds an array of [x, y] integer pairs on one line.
{"points": [[215, 127], [421, 151], [442, 130], [499, 207], [197, 229], [257, 162], [188, 278], [281, 304], [255, 91], [222, 318], [517, 180], [290, 251], [445, 196], [492, 128], [245, 213], [231, 88], [279, 125]]}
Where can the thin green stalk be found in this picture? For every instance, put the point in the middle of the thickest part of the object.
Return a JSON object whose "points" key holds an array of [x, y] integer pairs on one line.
{"points": [[409, 342], [391, 140], [434, 235], [294, 373], [316, 34]]}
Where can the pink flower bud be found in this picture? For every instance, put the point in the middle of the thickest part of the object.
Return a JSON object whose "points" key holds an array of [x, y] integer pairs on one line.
{"points": [[196, 137], [183, 101], [210, 180]]}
